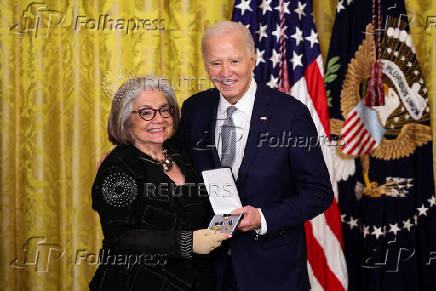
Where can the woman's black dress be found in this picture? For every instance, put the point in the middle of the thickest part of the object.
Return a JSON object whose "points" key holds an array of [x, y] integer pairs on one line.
{"points": [[147, 224]]}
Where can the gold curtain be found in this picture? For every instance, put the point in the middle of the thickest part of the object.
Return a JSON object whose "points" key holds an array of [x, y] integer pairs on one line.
{"points": [[59, 66]]}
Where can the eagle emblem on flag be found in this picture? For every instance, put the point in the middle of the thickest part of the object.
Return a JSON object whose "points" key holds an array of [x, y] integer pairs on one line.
{"points": [[393, 130]]}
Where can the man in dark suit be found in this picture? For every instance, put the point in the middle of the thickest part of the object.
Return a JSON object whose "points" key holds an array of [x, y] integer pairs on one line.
{"points": [[269, 141]]}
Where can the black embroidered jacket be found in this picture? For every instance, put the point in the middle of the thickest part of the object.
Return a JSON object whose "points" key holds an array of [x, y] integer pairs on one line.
{"points": [[147, 222]]}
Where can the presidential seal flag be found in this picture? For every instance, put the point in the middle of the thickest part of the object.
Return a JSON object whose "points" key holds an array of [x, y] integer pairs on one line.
{"points": [[288, 58], [379, 109]]}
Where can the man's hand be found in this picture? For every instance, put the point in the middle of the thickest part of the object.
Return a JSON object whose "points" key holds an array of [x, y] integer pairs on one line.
{"points": [[103, 157], [251, 219]]}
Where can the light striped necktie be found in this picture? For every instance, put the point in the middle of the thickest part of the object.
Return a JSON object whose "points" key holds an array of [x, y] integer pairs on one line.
{"points": [[228, 135]]}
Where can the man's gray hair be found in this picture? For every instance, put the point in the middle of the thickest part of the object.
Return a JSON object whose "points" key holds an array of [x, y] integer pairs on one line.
{"points": [[225, 27], [119, 119]]}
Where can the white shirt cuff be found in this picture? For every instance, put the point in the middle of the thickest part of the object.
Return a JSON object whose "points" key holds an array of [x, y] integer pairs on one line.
{"points": [[263, 227]]}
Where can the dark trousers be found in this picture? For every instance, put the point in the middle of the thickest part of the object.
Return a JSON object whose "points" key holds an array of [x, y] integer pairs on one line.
{"points": [[229, 282]]}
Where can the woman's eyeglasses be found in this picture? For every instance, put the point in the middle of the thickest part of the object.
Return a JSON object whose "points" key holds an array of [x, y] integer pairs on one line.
{"points": [[149, 113]]}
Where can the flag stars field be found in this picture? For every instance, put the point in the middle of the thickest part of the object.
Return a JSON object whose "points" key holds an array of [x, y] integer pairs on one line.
{"points": [[274, 82], [275, 58], [259, 56], [285, 8], [298, 35], [313, 38], [265, 6], [300, 10], [278, 33], [296, 60], [262, 32], [244, 5]]}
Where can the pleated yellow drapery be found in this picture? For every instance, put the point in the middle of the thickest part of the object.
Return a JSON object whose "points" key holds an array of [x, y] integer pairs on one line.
{"points": [[60, 62]]}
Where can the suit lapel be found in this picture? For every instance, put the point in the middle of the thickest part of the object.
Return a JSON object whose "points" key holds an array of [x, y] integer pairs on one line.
{"points": [[210, 131], [260, 118]]}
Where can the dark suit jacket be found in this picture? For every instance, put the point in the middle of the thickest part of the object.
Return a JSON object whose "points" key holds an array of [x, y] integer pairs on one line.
{"points": [[283, 172]]}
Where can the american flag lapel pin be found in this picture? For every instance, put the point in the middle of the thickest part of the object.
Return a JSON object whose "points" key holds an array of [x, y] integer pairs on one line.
{"points": [[263, 118]]}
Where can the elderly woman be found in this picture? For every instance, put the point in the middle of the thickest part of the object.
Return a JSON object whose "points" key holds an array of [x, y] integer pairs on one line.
{"points": [[149, 199]]}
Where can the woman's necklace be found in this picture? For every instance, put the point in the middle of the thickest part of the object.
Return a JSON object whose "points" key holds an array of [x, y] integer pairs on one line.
{"points": [[166, 164]]}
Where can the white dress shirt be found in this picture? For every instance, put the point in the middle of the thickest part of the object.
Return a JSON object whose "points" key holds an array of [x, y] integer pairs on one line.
{"points": [[241, 120]]}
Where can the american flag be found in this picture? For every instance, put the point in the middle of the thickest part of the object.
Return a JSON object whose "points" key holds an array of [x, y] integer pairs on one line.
{"points": [[288, 58]]}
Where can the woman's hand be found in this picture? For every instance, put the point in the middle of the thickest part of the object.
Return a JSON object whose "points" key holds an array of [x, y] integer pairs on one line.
{"points": [[206, 240]]}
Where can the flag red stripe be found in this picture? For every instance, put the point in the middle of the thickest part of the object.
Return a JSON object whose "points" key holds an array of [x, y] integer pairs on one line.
{"points": [[318, 262], [332, 218], [315, 87], [315, 255]]}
